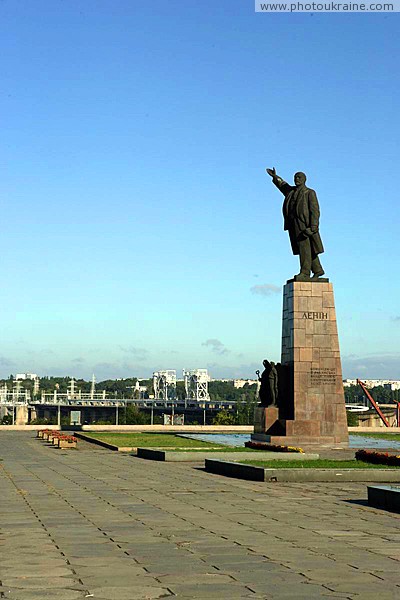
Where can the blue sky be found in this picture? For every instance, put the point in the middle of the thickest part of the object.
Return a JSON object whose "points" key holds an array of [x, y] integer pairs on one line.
{"points": [[139, 229]]}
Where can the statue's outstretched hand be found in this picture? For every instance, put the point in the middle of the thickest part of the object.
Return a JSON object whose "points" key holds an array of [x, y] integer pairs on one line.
{"points": [[271, 172]]}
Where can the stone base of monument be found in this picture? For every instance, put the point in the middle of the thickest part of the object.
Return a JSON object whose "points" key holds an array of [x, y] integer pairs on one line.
{"points": [[311, 401], [271, 429], [266, 419]]}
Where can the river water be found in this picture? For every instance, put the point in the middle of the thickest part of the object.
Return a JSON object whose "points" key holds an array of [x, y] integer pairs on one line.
{"points": [[238, 439]]}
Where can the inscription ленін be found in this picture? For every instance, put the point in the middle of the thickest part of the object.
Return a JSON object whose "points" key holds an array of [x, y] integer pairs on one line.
{"points": [[323, 376], [315, 316]]}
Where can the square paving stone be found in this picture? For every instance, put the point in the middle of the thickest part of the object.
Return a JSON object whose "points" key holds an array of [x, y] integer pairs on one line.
{"points": [[118, 559], [42, 594], [38, 583], [211, 590], [17, 571], [129, 593]]}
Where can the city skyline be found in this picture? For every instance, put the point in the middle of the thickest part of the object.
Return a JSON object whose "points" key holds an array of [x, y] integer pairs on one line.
{"points": [[94, 381], [140, 230]]}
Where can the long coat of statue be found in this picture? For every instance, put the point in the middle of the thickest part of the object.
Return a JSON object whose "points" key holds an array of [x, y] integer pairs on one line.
{"points": [[305, 205]]}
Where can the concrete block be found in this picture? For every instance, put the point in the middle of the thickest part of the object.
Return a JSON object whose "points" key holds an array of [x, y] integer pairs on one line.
{"points": [[251, 472], [385, 497]]}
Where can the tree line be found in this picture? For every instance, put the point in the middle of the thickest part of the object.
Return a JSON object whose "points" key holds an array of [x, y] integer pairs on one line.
{"points": [[354, 395]]}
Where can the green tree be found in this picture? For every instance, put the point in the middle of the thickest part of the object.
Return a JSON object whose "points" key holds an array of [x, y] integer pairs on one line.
{"points": [[123, 388], [245, 410], [134, 416], [180, 390], [224, 418], [352, 419]]}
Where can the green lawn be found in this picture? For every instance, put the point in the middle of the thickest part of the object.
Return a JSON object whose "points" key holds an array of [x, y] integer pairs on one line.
{"points": [[164, 441], [173, 442], [315, 464], [152, 440], [213, 448], [394, 437]]}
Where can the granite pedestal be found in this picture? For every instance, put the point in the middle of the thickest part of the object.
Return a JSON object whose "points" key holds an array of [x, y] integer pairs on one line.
{"points": [[311, 397]]}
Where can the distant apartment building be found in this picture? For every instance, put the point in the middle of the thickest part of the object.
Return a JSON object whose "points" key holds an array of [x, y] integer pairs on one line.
{"points": [[239, 383], [23, 376]]}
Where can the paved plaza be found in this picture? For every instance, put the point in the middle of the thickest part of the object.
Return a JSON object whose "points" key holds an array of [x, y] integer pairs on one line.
{"points": [[91, 523]]}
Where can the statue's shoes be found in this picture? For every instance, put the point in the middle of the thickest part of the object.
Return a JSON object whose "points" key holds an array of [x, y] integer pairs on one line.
{"points": [[319, 274], [302, 277]]}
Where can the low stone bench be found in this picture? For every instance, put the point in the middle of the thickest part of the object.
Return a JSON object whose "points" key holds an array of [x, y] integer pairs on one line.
{"points": [[191, 456], [254, 473], [384, 496]]}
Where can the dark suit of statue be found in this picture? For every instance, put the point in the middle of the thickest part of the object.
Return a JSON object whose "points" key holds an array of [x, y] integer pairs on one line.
{"points": [[301, 220]]}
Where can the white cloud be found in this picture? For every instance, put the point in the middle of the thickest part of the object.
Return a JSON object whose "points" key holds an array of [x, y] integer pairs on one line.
{"points": [[78, 360], [6, 362], [137, 353], [265, 289], [216, 346], [243, 371], [373, 366]]}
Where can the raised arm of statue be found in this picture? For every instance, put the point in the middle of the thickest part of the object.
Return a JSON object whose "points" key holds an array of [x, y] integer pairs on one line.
{"points": [[282, 186]]}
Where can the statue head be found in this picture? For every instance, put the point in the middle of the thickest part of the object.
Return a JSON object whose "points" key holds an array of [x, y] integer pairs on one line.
{"points": [[299, 179]]}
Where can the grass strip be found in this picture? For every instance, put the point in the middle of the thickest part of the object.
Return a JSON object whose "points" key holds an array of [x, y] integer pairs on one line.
{"points": [[164, 441], [393, 437], [216, 449], [153, 440], [315, 464]]}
